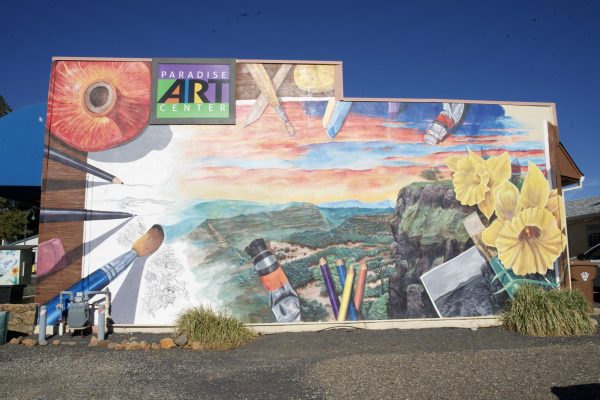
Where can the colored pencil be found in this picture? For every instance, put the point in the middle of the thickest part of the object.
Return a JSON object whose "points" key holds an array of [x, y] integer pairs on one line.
{"points": [[341, 269], [393, 110], [328, 112], [262, 102], [333, 297], [260, 76], [67, 215], [340, 112], [346, 294], [64, 159], [361, 281]]}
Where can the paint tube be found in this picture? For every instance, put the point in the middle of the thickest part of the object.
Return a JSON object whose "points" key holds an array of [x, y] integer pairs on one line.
{"points": [[444, 123], [283, 299]]}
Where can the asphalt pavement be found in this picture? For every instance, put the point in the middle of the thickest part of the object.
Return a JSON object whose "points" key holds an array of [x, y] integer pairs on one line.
{"points": [[488, 363]]}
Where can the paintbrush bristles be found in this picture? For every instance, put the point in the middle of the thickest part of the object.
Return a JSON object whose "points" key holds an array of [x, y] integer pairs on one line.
{"points": [[149, 242]]}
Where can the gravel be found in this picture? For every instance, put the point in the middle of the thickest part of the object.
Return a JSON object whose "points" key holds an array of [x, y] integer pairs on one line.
{"points": [[337, 364]]}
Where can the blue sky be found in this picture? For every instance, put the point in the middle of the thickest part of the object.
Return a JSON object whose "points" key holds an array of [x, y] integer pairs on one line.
{"points": [[509, 50]]}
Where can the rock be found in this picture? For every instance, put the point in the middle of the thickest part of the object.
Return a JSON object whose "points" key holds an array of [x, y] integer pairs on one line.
{"points": [[146, 346], [196, 346], [132, 346], [167, 343], [155, 346], [428, 230], [119, 347], [124, 342], [55, 342], [29, 342], [22, 317], [181, 340], [112, 345], [15, 340], [103, 343], [133, 339], [143, 343], [93, 342], [69, 343]]}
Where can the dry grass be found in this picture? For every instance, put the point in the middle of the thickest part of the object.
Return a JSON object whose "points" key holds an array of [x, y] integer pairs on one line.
{"points": [[212, 330], [538, 312]]}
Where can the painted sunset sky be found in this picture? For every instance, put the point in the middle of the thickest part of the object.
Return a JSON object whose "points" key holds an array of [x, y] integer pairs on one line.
{"points": [[370, 160]]}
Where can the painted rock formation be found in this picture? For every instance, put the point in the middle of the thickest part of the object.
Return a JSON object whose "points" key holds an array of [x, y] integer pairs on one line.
{"points": [[428, 230]]}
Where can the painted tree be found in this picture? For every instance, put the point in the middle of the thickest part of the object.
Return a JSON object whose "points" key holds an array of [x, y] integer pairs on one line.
{"points": [[4, 107]]}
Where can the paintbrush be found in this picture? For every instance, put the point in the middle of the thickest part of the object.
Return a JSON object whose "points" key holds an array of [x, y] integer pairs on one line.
{"points": [[260, 76], [146, 245], [262, 102], [64, 159]]}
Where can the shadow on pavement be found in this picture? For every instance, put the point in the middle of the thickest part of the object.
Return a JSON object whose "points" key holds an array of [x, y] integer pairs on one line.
{"points": [[578, 392]]}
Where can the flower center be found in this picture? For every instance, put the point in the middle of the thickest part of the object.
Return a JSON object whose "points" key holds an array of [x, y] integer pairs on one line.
{"points": [[100, 98], [530, 232]]}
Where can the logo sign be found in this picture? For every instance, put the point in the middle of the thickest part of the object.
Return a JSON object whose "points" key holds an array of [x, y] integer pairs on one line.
{"points": [[193, 91]]}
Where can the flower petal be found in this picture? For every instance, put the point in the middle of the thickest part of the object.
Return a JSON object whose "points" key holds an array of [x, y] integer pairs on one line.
{"points": [[490, 234], [487, 205], [453, 162], [475, 158], [506, 200], [499, 168], [535, 190]]}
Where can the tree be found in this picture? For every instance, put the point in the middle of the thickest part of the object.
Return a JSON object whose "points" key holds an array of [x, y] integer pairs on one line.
{"points": [[4, 107], [13, 220]]}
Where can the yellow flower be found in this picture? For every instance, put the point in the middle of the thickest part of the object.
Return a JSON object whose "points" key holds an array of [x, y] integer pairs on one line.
{"points": [[535, 190], [500, 171], [556, 206], [530, 242], [470, 178], [526, 231], [506, 206], [475, 179]]}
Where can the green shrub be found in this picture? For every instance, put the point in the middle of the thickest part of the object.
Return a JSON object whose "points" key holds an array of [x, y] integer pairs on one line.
{"points": [[539, 312], [214, 330]]}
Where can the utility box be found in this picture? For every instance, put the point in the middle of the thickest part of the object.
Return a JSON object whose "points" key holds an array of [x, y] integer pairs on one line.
{"points": [[582, 278], [15, 265], [78, 316]]}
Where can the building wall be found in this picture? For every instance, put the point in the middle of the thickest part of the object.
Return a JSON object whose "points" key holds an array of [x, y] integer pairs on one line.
{"points": [[581, 235], [438, 207]]}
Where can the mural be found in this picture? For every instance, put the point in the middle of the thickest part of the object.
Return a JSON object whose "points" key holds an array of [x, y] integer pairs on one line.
{"points": [[9, 267], [309, 208]]}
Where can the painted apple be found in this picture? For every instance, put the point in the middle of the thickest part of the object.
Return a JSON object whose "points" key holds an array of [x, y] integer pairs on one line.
{"points": [[97, 105]]}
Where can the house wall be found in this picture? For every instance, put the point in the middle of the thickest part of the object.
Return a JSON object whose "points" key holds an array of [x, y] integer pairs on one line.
{"points": [[437, 207], [579, 234]]}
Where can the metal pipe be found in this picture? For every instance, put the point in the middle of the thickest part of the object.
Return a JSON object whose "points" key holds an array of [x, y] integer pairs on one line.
{"points": [[101, 322], [42, 327]]}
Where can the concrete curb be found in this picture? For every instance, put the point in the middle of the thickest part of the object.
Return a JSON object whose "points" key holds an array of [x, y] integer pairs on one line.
{"points": [[272, 328]]}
